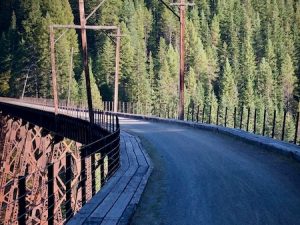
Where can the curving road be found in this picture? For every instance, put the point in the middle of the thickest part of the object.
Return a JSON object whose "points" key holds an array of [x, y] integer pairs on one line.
{"points": [[200, 177]]}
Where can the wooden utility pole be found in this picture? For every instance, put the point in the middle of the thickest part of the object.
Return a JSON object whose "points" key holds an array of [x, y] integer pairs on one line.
{"points": [[182, 7], [70, 77], [116, 93], [85, 60], [181, 73], [83, 27], [53, 67]]}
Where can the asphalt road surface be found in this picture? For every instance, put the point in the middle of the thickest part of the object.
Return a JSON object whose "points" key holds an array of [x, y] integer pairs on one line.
{"points": [[201, 177]]}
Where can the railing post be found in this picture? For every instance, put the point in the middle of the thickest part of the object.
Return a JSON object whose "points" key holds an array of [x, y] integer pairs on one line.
{"points": [[93, 173], [165, 110], [113, 123], [198, 110], [241, 119], [110, 122], [254, 125], [101, 162], [283, 125], [264, 123], [226, 111], [209, 118], [274, 124], [22, 200], [106, 120], [296, 128], [51, 197], [248, 120], [69, 177], [188, 113], [131, 107], [193, 112], [83, 175], [234, 115], [218, 114], [203, 113]]}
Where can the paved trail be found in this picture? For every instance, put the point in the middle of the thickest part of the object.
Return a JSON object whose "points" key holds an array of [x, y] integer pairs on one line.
{"points": [[206, 178]]}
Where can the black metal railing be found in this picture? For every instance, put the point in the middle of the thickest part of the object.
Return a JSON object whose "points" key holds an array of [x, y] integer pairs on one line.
{"points": [[281, 125], [74, 177]]}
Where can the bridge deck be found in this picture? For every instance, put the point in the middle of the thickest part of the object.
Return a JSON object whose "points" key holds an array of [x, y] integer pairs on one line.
{"points": [[201, 177]]}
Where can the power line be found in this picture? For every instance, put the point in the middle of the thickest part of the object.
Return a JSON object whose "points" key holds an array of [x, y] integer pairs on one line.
{"points": [[172, 10]]}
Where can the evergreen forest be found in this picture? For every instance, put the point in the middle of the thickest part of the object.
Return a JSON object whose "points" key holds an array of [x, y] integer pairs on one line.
{"points": [[239, 53]]}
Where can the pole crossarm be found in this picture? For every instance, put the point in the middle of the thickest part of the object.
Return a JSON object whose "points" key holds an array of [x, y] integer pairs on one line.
{"points": [[183, 4], [87, 27]]}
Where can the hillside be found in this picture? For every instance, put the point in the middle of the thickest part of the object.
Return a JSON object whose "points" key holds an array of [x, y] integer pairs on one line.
{"points": [[237, 52]]}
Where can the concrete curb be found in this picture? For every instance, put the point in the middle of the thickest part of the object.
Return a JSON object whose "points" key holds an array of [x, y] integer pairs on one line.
{"points": [[283, 148]]}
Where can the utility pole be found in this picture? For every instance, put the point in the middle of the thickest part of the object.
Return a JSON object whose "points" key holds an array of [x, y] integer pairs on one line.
{"points": [[83, 27], [116, 93], [53, 67], [181, 73], [182, 7], [70, 77], [85, 60]]}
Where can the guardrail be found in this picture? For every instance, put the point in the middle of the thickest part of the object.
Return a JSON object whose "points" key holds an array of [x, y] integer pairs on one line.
{"points": [[282, 125], [52, 193]]}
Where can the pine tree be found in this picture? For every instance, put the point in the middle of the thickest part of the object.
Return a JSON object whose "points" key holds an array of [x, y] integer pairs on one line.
{"points": [[140, 92], [205, 31], [152, 81], [253, 44], [170, 27], [215, 31], [265, 84], [229, 92], [126, 62], [249, 71], [195, 92], [5, 64], [166, 89], [288, 80]]}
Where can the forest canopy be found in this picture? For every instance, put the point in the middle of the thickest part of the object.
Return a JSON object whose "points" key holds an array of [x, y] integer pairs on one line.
{"points": [[238, 52]]}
